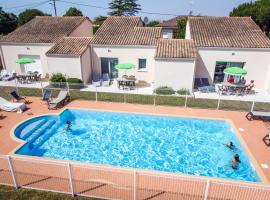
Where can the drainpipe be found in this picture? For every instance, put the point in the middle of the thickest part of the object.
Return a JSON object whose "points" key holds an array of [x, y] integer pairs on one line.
{"points": [[2, 58]]}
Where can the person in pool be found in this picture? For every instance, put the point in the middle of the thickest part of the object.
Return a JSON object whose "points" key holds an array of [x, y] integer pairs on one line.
{"points": [[235, 161], [68, 125], [230, 145]]}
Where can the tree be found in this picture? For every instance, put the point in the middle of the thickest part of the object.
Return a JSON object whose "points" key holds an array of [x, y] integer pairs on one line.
{"points": [[180, 32], [73, 12], [124, 7], [259, 12], [98, 22], [152, 23], [8, 22], [29, 14]]}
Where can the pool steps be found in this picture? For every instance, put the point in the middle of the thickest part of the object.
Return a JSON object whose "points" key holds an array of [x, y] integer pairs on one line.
{"points": [[30, 128], [40, 140], [41, 130]]}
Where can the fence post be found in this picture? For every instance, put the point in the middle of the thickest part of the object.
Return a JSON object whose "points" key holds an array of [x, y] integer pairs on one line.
{"points": [[70, 180], [206, 190], [155, 99], [218, 104], [252, 106], [134, 185], [125, 97], [186, 100], [12, 172], [96, 94], [16, 85], [41, 88], [68, 88]]}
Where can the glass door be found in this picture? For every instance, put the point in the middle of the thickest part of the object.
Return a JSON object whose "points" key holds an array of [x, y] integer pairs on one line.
{"points": [[113, 71]]}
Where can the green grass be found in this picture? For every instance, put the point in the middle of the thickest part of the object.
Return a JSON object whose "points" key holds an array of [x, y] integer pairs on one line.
{"points": [[10, 193], [144, 99]]}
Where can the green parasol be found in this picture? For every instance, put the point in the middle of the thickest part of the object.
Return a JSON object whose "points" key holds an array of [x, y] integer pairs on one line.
{"points": [[235, 71], [125, 66], [25, 60]]}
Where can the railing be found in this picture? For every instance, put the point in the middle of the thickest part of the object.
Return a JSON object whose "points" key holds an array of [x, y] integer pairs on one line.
{"points": [[119, 183], [77, 91]]}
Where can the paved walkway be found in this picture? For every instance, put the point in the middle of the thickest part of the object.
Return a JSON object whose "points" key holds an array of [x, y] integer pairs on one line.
{"points": [[252, 132]]}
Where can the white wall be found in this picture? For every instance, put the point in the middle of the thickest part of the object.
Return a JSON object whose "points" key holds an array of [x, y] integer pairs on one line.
{"points": [[127, 54], [257, 63], [175, 73], [86, 66], [12, 52], [85, 29], [188, 35], [68, 65]]}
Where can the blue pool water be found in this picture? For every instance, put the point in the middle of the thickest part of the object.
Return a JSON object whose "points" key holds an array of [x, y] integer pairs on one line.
{"points": [[170, 144]]}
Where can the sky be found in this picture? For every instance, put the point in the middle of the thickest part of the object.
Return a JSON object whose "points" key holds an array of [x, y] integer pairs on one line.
{"points": [[166, 8]]}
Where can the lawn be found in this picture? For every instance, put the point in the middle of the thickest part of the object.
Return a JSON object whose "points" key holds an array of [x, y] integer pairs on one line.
{"points": [[10, 193]]}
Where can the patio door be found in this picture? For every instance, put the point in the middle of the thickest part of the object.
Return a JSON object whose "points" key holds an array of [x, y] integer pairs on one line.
{"points": [[108, 66]]}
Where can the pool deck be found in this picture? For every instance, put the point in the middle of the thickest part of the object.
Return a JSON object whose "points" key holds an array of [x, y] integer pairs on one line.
{"points": [[252, 132]]}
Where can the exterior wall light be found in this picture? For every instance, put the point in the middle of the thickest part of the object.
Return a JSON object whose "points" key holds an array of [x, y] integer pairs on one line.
{"points": [[233, 54], [28, 48]]}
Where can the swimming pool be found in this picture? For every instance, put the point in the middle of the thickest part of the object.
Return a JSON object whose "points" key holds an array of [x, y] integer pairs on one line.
{"points": [[163, 143]]}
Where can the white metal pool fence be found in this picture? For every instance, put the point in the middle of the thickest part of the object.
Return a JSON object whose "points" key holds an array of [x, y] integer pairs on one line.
{"points": [[82, 179], [132, 96]]}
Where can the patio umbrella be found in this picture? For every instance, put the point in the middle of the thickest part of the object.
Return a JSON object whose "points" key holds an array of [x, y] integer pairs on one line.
{"points": [[235, 71], [25, 60], [125, 66]]}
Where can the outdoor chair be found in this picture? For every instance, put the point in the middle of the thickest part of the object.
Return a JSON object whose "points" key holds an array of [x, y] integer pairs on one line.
{"points": [[3, 74], [47, 95], [59, 101], [16, 97], [265, 116], [202, 84], [96, 80], [9, 76], [105, 79], [12, 107]]}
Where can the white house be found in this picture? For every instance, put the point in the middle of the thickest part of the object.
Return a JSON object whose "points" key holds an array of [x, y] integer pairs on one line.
{"points": [[38, 36], [66, 44]]}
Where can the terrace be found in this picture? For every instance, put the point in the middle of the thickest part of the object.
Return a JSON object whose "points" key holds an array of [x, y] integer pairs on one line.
{"points": [[104, 181]]}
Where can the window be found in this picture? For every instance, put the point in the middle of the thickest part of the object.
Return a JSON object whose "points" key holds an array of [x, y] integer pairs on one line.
{"points": [[142, 63], [220, 66]]}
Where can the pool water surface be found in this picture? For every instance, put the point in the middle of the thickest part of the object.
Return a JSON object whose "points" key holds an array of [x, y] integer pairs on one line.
{"points": [[170, 144]]}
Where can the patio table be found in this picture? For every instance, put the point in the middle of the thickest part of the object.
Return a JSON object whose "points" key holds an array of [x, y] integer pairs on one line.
{"points": [[230, 88], [125, 83]]}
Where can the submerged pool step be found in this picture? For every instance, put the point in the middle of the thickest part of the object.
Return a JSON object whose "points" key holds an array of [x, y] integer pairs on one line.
{"points": [[31, 128], [44, 137], [42, 129]]}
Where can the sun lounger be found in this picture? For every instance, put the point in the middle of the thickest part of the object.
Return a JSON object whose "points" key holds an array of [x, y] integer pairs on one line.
{"points": [[47, 95], [11, 107], [105, 79], [258, 115], [60, 101], [18, 98], [3, 74], [96, 80]]}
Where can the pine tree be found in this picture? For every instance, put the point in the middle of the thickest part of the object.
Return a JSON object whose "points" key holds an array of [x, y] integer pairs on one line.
{"points": [[124, 7], [132, 7], [117, 8]]}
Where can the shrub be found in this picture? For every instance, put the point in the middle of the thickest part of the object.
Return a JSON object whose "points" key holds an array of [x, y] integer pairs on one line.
{"points": [[58, 77], [74, 80], [183, 91], [164, 90]]}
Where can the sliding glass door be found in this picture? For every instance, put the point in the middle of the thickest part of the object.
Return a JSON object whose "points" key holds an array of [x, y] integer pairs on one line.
{"points": [[108, 66]]}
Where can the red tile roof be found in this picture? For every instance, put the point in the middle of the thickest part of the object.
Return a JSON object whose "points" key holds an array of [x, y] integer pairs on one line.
{"points": [[176, 48], [44, 29], [231, 32]]}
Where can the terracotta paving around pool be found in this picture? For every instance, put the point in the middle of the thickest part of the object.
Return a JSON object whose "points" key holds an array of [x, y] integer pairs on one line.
{"points": [[252, 132]]}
